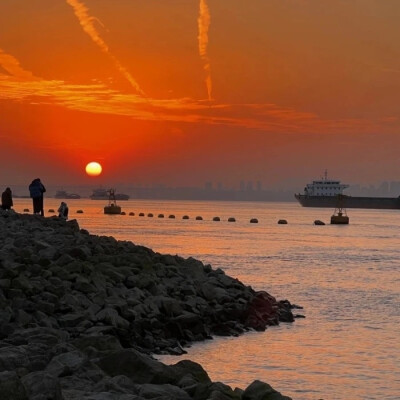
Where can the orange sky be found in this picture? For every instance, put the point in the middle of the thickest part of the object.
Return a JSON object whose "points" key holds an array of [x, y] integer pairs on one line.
{"points": [[184, 92]]}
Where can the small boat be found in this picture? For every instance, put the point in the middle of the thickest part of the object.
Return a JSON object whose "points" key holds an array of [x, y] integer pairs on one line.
{"points": [[339, 216], [112, 207]]}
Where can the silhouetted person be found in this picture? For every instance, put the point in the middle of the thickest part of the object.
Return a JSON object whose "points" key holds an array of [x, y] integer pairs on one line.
{"points": [[36, 190], [6, 199], [63, 210]]}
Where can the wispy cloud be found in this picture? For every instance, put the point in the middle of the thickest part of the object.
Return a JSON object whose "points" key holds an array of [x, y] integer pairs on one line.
{"points": [[22, 86], [13, 67], [87, 23], [204, 21]]}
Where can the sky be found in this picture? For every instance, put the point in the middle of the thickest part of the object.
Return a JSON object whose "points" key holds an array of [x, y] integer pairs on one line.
{"points": [[183, 92]]}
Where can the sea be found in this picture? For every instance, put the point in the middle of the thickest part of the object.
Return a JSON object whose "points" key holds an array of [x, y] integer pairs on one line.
{"points": [[346, 278]]}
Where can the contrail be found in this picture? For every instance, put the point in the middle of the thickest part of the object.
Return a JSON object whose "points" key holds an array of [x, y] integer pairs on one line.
{"points": [[204, 23], [87, 23], [13, 67]]}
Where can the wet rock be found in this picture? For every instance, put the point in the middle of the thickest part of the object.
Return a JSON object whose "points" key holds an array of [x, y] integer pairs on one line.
{"points": [[262, 391]]}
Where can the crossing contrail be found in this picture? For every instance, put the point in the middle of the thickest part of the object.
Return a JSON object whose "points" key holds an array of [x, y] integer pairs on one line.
{"points": [[87, 23], [204, 23]]}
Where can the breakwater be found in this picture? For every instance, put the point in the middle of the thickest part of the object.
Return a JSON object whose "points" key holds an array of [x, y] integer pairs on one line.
{"points": [[82, 314]]}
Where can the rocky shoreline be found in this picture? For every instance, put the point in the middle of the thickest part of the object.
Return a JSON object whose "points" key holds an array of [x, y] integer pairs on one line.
{"points": [[81, 315]]}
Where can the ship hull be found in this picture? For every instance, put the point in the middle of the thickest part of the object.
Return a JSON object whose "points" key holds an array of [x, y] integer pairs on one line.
{"points": [[379, 203]]}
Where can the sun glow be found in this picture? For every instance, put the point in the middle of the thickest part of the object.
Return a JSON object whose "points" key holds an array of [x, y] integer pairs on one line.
{"points": [[93, 169]]}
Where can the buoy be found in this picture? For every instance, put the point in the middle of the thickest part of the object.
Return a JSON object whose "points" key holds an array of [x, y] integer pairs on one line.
{"points": [[51, 210], [141, 214], [131, 213], [318, 222], [79, 211], [26, 209], [123, 213], [112, 207], [160, 215], [150, 215], [185, 217], [340, 219], [216, 219], [199, 218], [171, 216], [339, 216], [231, 219], [254, 221], [282, 222]]}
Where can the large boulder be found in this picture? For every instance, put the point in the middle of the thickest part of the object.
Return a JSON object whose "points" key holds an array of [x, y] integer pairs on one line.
{"points": [[262, 391]]}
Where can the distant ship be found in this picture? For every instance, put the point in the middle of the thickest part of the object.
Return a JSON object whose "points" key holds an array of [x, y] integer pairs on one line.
{"points": [[62, 194], [104, 194], [325, 193]]}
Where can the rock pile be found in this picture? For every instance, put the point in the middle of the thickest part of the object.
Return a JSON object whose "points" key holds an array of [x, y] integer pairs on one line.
{"points": [[81, 314]]}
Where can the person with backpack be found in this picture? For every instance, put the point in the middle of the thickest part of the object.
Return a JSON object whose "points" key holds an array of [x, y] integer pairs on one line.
{"points": [[36, 190]]}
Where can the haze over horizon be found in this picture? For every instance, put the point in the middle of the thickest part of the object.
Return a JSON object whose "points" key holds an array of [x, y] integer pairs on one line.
{"points": [[182, 93]]}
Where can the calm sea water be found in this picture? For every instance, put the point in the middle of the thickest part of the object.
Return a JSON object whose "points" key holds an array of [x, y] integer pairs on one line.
{"points": [[347, 278]]}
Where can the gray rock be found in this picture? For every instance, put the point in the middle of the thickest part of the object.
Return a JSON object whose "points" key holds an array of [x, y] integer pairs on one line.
{"points": [[262, 391], [165, 392], [136, 366], [65, 363], [11, 387], [13, 357], [42, 386]]}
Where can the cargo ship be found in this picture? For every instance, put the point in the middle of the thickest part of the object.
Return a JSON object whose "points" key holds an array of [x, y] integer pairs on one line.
{"points": [[104, 194], [325, 193]]}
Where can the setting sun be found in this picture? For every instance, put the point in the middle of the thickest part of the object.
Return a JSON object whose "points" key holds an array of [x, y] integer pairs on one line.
{"points": [[93, 169]]}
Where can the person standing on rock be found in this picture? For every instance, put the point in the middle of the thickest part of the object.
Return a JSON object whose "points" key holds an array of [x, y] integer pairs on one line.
{"points": [[63, 210], [6, 199], [36, 190]]}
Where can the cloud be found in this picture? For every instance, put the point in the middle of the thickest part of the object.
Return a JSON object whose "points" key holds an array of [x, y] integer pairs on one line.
{"points": [[87, 23], [97, 98], [13, 67], [204, 21]]}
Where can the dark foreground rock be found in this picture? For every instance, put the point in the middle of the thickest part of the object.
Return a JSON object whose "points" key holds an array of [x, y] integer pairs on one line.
{"points": [[81, 314]]}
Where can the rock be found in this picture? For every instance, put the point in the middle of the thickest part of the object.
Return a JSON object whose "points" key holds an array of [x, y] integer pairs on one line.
{"points": [[166, 391], [65, 364], [41, 385], [11, 387], [137, 367], [262, 391], [79, 314], [12, 358]]}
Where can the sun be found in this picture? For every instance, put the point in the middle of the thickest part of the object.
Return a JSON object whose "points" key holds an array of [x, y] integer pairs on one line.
{"points": [[93, 169]]}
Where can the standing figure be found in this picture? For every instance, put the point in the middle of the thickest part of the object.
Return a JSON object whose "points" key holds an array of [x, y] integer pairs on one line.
{"points": [[36, 190], [63, 210], [6, 199]]}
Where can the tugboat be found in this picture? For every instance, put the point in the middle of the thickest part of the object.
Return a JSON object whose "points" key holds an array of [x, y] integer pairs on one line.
{"points": [[339, 216], [112, 207]]}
